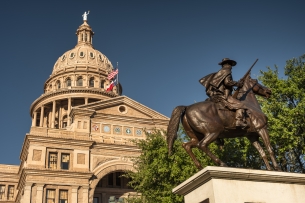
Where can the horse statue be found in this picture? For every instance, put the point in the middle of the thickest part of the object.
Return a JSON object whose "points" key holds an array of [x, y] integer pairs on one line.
{"points": [[207, 121]]}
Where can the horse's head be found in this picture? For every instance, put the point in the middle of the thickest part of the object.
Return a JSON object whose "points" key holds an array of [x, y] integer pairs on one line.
{"points": [[257, 88], [260, 89]]}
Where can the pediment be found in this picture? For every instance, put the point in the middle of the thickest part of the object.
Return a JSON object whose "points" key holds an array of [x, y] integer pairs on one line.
{"points": [[115, 106]]}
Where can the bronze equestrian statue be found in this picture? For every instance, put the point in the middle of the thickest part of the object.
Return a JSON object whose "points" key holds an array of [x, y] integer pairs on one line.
{"points": [[223, 115]]}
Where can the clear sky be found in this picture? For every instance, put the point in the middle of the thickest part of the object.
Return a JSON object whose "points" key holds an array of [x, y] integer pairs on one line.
{"points": [[163, 48]]}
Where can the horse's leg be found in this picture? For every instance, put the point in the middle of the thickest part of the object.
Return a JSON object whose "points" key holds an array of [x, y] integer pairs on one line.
{"points": [[254, 141], [191, 144], [204, 143], [265, 136]]}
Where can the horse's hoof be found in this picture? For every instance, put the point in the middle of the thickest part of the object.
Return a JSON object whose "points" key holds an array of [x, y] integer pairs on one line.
{"points": [[199, 167], [278, 169]]}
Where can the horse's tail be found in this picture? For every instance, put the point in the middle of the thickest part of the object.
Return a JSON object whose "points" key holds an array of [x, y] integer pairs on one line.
{"points": [[173, 127]]}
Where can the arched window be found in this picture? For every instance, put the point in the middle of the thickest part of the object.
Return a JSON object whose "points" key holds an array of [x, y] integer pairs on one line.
{"points": [[91, 82], [86, 37], [103, 84], [50, 87], [100, 56], [58, 84], [79, 81], [68, 82], [63, 57], [64, 121]]}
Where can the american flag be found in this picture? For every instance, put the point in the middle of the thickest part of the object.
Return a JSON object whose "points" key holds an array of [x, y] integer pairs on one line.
{"points": [[113, 73]]}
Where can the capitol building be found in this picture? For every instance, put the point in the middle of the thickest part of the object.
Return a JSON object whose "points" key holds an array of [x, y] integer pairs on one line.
{"points": [[81, 138]]}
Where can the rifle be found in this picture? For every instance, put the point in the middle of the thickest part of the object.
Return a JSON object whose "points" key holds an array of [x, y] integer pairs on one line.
{"points": [[242, 80]]}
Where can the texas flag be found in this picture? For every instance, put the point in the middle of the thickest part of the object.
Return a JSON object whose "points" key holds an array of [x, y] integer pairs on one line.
{"points": [[112, 84]]}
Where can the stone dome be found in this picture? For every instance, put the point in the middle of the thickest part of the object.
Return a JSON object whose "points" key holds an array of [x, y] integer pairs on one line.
{"points": [[79, 76], [83, 54]]}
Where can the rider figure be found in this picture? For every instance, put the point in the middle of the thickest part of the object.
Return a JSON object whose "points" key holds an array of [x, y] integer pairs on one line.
{"points": [[219, 87]]}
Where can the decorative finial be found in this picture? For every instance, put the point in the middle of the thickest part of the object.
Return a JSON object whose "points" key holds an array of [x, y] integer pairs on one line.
{"points": [[85, 15]]}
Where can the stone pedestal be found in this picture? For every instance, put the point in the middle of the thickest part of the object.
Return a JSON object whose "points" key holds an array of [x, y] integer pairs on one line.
{"points": [[235, 185]]}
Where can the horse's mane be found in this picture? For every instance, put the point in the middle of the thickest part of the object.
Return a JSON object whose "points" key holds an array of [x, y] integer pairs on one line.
{"points": [[245, 89]]}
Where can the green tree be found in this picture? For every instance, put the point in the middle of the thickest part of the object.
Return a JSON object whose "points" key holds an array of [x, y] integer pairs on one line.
{"points": [[239, 153], [157, 173], [285, 110]]}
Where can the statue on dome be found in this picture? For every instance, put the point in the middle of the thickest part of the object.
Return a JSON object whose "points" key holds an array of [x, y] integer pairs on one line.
{"points": [[85, 15]]}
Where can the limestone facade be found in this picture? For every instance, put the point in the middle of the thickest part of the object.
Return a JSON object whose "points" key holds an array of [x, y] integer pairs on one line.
{"points": [[80, 141]]}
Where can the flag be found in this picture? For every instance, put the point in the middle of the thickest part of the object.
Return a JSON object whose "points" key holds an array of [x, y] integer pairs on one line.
{"points": [[113, 73], [112, 84]]}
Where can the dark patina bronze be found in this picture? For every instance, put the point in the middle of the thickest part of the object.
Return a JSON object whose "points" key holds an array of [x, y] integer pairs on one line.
{"points": [[224, 116]]}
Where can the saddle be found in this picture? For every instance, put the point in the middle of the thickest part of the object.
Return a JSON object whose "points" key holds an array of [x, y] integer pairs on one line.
{"points": [[228, 117]]}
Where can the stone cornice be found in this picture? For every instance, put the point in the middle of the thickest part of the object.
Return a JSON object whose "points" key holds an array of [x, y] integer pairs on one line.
{"points": [[9, 176], [73, 69], [149, 121], [115, 147], [6, 168], [60, 140], [51, 173], [24, 150], [127, 101], [56, 173], [81, 112], [214, 172], [64, 91]]}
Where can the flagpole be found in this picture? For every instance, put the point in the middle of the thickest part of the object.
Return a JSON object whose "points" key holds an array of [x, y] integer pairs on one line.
{"points": [[117, 77]]}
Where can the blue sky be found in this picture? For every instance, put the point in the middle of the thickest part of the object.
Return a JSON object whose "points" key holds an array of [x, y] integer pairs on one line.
{"points": [[163, 48]]}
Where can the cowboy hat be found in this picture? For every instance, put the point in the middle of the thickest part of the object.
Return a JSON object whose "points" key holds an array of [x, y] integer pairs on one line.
{"points": [[227, 60]]}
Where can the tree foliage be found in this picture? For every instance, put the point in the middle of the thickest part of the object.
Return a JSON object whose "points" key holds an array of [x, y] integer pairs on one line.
{"points": [[285, 110], [157, 173]]}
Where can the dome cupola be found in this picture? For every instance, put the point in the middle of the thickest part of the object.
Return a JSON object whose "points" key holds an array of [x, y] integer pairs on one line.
{"points": [[83, 55], [79, 77], [84, 34]]}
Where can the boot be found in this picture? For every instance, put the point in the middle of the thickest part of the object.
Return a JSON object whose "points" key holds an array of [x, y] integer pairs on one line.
{"points": [[240, 119]]}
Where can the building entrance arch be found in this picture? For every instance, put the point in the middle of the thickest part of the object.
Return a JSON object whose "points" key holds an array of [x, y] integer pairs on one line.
{"points": [[107, 183]]}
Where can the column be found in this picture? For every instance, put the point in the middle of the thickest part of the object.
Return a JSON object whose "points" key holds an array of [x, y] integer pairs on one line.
{"points": [[74, 194], [39, 193], [69, 110], [34, 119], [27, 193], [86, 100], [85, 194], [59, 116], [5, 192], [41, 116], [53, 114], [104, 199]]}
